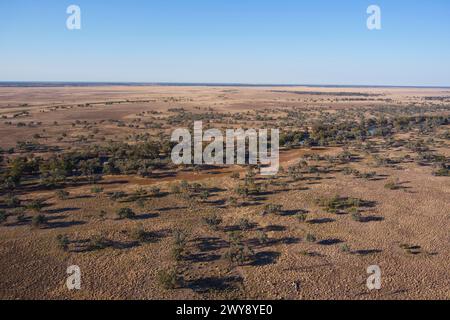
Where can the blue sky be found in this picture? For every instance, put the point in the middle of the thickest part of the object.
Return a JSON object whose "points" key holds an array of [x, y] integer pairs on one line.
{"points": [[234, 41]]}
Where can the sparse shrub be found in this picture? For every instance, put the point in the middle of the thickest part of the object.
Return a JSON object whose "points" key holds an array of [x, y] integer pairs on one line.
{"points": [[62, 194], [178, 249], [140, 203], [356, 216], [301, 217], [272, 209], [443, 172], [177, 252], [238, 253], [310, 238], [155, 191], [392, 185], [102, 214], [117, 195], [244, 224], [345, 247], [36, 205], [338, 204], [12, 201], [169, 279], [235, 176], [242, 190], [3, 216], [262, 237], [99, 242], [179, 237], [367, 175], [63, 242], [232, 202], [139, 234], [213, 221], [204, 195], [39, 221], [140, 192], [125, 213], [175, 189], [184, 186], [411, 249], [96, 190]]}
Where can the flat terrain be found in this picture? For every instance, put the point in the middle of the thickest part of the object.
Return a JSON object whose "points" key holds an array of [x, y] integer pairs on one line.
{"points": [[86, 180]]}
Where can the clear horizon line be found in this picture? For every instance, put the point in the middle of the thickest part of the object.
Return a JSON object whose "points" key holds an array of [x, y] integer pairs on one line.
{"points": [[56, 83]]}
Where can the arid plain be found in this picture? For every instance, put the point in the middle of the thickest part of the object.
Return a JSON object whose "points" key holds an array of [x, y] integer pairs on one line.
{"points": [[86, 180]]}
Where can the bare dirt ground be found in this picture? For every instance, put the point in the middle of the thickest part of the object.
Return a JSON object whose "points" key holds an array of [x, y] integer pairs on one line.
{"points": [[340, 204]]}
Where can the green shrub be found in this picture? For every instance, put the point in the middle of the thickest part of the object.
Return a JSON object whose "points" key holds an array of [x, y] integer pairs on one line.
{"points": [[345, 248], [63, 242], [168, 279], [391, 185], [356, 216], [232, 202], [244, 224], [204, 195], [117, 195], [99, 242], [139, 234], [175, 189], [62, 194], [3, 216], [12, 202], [39, 221], [443, 172], [179, 239], [213, 221], [238, 253], [36, 205], [301, 217], [272, 209], [125, 213], [155, 191], [96, 189], [338, 204], [140, 203], [235, 176], [262, 237], [310, 238]]}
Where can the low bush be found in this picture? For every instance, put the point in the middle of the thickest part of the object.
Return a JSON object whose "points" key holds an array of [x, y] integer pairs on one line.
{"points": [[63, 242], [39, 221], [125, 213]]}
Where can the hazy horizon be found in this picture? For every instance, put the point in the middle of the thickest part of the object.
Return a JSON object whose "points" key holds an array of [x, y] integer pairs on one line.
{"points": [[217, 84]]}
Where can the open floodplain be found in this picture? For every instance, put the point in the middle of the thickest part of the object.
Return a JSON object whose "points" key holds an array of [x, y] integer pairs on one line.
{"points": [[87, 180]]}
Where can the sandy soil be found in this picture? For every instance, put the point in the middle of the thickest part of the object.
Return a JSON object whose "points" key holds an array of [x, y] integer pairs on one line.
{"points": [[32, 266]]}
